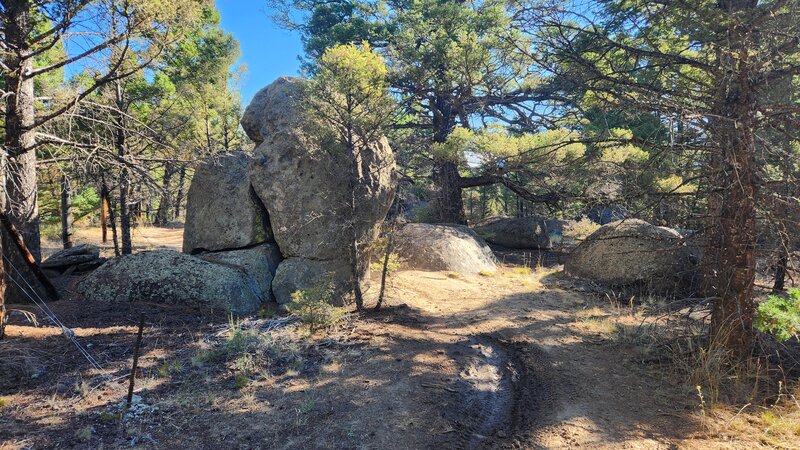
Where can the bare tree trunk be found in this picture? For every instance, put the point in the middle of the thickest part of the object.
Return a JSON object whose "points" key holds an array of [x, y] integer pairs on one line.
{"points": [[3, 275], [181, 187], [781, 267], [734, 310], [20, 197], [22, 206], [124, 177], [355, 262], [445, 172], [385, 270], [20, 139], [66, 212], [112, 220], [126, 244], [165, 204]]}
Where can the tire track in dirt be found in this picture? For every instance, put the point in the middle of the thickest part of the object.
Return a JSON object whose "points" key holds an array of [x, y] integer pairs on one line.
{"points": [[506, 390]]}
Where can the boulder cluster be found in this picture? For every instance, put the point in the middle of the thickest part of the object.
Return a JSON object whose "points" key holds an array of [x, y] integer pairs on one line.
{"points": [[260, 226]]}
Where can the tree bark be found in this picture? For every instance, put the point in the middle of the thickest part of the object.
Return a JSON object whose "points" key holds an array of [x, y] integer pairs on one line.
{"points": [[112, 220], [181, 187], [126, 245], [124, 177], [20, 138], [165, 208], [781, 268], [733, 312], [448, 184], [66, 212], [445, 172]]}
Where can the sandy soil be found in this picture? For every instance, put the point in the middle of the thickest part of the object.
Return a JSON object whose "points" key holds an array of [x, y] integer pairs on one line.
{"points": [[144, 237], [511, 360]]}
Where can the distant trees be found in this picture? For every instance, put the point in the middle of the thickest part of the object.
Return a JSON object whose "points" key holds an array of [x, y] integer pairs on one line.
{"points": [[148, 93], [112, 40]]}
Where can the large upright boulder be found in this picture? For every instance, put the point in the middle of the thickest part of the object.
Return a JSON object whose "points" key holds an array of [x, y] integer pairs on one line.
{"points": [[305, 183], [222, 211], [453, 248], [633, 252], [522, 232], [166, 276]]}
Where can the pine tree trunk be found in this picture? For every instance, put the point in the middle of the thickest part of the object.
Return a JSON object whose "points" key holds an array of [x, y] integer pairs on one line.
{"points": [[734, 261], [112, 221], [66, 212], [126, 245], [104, 211], [124, 177], [21, 189], [448, 184], [734, 309], [445, 172], [781, 268], [165, 208], [181, 187]]}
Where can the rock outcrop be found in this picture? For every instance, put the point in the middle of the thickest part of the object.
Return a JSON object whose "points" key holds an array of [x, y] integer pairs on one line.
{"points": [[633, 252], [222, 211], [258, 263], [78, 259], [296, 273], [306, 184], [443, 247], [522, 232], [260, 227], [165, 276]]}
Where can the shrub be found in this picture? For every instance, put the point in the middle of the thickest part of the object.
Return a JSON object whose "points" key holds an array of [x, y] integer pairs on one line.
{"points": [[391, 267], [780, 316], [580, 229], [313, 307], [239, 346]]}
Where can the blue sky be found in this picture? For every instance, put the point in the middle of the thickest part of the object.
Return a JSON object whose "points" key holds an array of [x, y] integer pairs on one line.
{"points": [[267, 51]]}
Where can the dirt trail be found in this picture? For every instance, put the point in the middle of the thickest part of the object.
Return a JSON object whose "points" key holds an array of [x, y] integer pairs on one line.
{"points": [[503, 361], [552, 376]]}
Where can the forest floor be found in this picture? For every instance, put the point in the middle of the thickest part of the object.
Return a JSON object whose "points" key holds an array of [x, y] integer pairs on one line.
{"points": [[521, 358], [143, 237]]}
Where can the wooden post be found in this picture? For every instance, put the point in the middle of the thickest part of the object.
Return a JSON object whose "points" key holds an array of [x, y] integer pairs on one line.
{"points": [[16, 238], [135, 362]]}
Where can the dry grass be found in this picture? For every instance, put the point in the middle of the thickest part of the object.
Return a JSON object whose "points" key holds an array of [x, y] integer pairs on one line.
{"points": [[735, 400]]}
